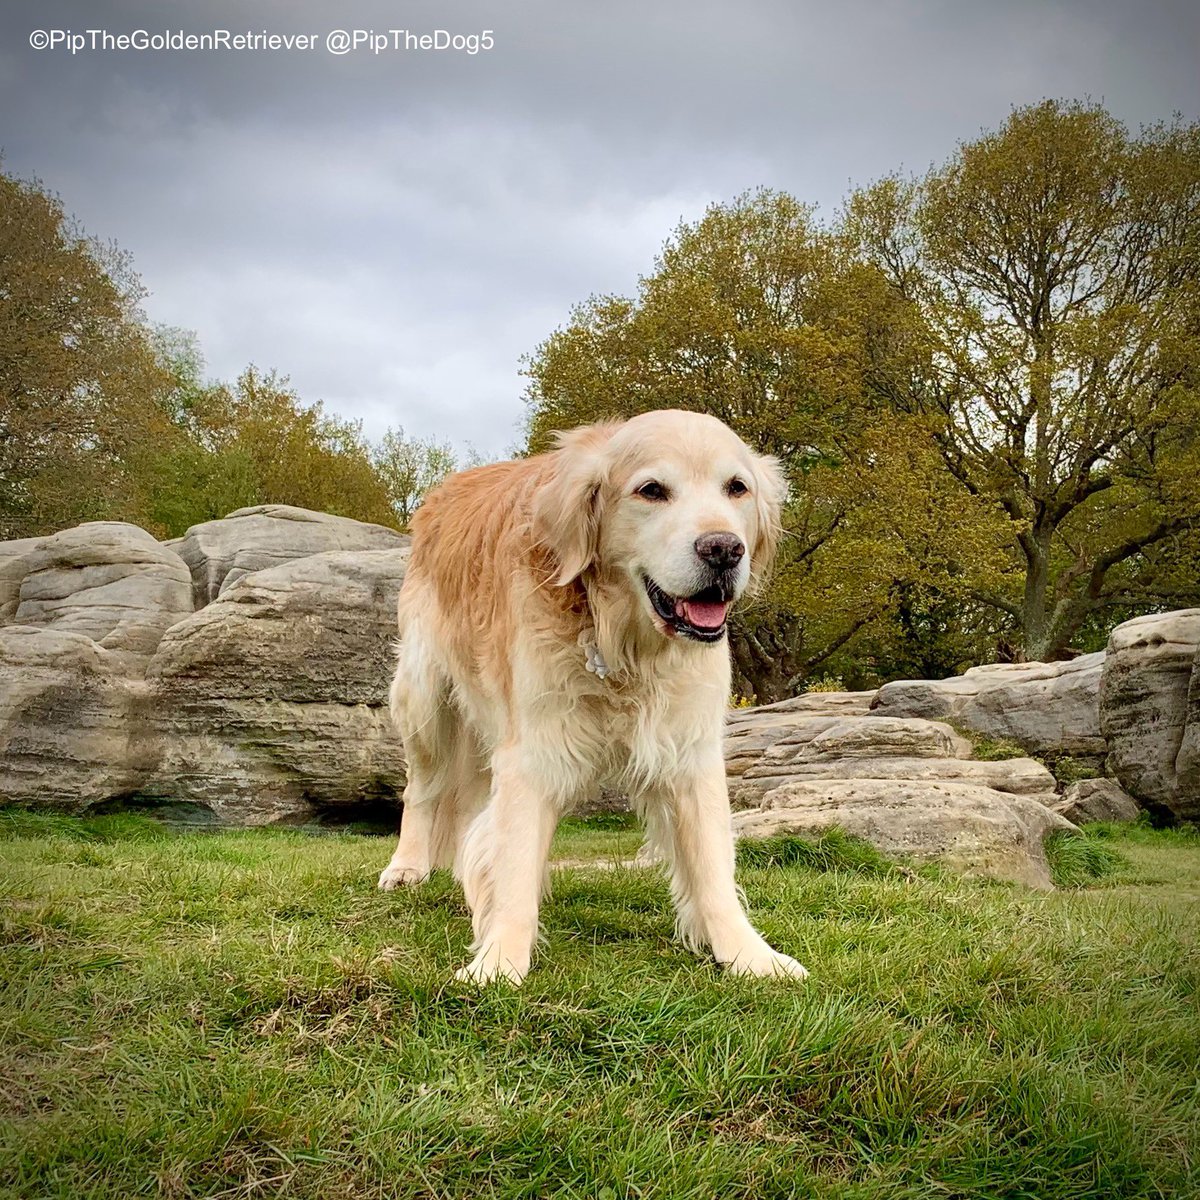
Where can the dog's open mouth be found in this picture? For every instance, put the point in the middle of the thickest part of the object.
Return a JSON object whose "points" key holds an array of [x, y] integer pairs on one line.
{"points": [[700, 617]]}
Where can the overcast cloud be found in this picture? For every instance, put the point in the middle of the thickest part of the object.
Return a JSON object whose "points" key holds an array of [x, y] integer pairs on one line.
{"points": [[394, 231]]}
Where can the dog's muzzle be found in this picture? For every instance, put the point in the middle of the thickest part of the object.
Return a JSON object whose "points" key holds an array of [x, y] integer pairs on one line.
{"points": [[701, 616]]}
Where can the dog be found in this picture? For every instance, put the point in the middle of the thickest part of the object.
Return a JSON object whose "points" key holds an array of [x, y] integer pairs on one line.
{"points": [[563, 627]]}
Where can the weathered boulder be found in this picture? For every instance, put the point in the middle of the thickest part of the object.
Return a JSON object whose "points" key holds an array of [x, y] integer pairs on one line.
{"points": [[766, 748], [1187, 762], [1150, 711], [971, 828], [81, 612], [219, 553], [908, 785], [1096, 800], [65, 721], [269, 704], [825, 704], [107, 581], [12, 570], [1046, 708]]}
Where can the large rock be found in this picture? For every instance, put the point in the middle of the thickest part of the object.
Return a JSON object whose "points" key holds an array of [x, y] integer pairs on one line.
{"points": [[768, 747], [1187, 762], [973, 829], [81, 612], [1150, 711], [906, 784], [270, 703], [219, 553], [1046, 708], [107, 581], [65, 721], [1096, 800], [12, 570]]}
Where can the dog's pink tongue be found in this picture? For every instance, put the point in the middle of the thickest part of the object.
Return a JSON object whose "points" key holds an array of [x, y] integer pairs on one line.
{"points": [[704, 614]]}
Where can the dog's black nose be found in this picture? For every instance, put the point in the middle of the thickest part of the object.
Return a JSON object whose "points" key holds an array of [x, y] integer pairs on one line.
{"points": [[722, 551]]}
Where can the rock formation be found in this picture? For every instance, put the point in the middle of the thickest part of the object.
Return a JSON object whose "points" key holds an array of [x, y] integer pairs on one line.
{"points": [[269, 704], [905, 784], [1096, 800], [106, 581], [1150, 711], [1046, 708], [266, 704], [66, 718], [219, 553], [238, 675]]}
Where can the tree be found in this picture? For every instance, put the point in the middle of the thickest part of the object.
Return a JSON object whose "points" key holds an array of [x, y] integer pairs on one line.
{"points": [[102, 417], [410, 468], [756, 315], [255, 443], [78, 376], [1053, 269]]}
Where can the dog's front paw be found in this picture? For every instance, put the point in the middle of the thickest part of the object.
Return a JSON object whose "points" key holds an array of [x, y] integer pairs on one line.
{"points": [[764, 962], [399, 875], [490, 965]]}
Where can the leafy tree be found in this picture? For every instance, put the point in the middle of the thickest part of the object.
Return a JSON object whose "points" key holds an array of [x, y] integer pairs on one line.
{"points": [[409, 468], [255, 443], [1053, 269], [102, 417], [78, 375], [758, 316]]}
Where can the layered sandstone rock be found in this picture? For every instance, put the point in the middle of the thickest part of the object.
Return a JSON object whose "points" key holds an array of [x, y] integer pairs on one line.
{"points": [[1096, 800], [269, 704], [66, 720], [907, 785], [1150, 711], [1046, 708], [106, 581], [970, 828], [219, 553]]}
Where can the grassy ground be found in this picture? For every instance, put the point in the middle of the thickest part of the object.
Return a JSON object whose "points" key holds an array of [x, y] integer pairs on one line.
{"points": [[244, 1015]]}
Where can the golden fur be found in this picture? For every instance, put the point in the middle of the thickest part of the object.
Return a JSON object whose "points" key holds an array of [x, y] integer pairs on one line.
{"points": [[534, 668]]}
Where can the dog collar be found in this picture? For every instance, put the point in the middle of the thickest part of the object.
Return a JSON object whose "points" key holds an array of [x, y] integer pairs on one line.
{"points": [[594, 659]]}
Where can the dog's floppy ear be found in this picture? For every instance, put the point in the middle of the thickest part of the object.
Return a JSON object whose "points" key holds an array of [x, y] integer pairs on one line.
{"points": [[770, 491], [566, 512]]}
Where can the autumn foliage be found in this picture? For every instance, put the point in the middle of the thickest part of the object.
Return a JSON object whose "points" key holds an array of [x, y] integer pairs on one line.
{"points": [[983, 384]]}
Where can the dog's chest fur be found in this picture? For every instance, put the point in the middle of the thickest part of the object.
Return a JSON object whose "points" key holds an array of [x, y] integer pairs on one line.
{"points": [[633, 734]]}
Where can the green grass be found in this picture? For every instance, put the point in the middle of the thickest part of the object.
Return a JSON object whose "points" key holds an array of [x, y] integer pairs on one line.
{"points": [[990, 749], [245, 1015], [1067, 769], [1082, 861], [832, 851]]}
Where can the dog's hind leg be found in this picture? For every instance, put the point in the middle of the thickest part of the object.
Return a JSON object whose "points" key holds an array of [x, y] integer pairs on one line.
{"points": [[464, 797], [427, 724]]}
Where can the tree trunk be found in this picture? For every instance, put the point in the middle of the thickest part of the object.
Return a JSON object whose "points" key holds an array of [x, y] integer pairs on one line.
{"points": [[767, 661], [1034, 618]]}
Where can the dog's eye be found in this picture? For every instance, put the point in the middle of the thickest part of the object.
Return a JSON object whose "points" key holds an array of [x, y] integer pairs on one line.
{"points": [[735, 487], [653, 491]]}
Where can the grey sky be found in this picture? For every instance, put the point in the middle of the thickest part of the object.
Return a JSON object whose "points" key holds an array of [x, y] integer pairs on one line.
{"points": [[394, 231]]}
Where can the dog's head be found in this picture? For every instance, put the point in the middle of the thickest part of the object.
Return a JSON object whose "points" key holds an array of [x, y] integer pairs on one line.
{"points": [[672, 506]]}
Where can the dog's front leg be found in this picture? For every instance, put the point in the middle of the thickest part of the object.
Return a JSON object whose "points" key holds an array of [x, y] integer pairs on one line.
{"points": [[503, 870], [706, 898]]}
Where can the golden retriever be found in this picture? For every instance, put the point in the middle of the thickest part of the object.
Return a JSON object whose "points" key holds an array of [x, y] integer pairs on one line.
{"points": [[562, 627]]}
